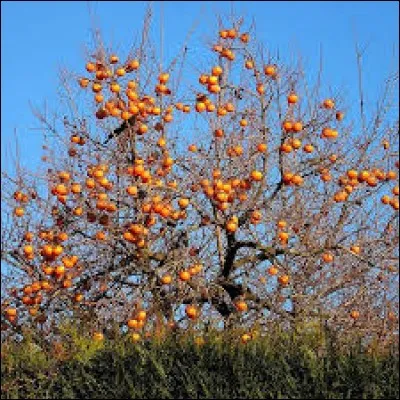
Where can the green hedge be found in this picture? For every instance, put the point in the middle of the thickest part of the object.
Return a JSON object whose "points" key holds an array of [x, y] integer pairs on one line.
{"points": [[176, 368]]}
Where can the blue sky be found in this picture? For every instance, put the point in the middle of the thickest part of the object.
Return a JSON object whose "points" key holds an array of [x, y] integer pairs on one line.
{"points": [[39, 37]]}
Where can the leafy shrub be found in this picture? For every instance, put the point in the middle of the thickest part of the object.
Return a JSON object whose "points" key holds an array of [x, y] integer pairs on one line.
{"points": [[271, 367]]}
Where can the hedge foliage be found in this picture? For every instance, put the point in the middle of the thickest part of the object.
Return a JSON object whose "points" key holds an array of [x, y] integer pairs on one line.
{"points": [[276, 366]]}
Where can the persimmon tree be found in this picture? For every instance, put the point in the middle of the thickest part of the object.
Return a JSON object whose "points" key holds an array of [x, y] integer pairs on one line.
{"points": [[236, 193]]}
